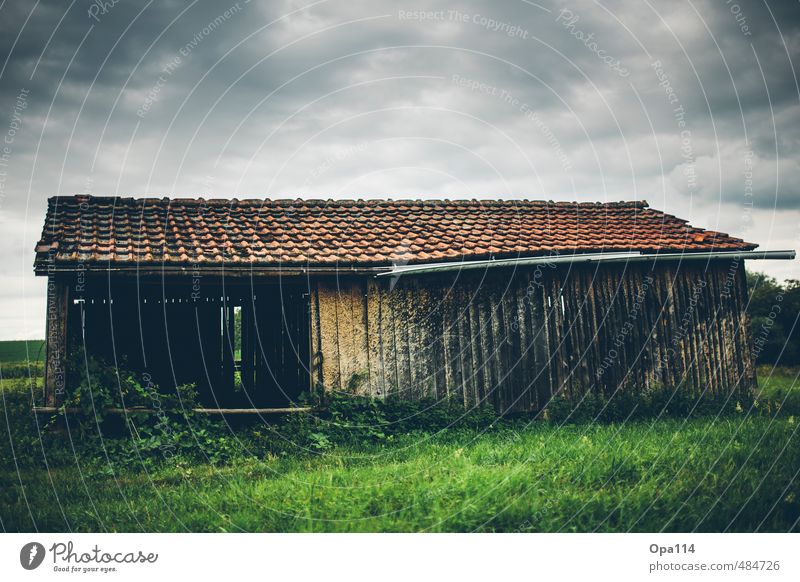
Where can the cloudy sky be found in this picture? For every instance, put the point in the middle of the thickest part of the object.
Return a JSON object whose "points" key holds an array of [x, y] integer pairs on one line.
{"points": [[690, 105]]}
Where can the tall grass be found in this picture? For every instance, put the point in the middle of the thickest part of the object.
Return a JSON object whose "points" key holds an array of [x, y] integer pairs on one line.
{"points": [[732, 473]]}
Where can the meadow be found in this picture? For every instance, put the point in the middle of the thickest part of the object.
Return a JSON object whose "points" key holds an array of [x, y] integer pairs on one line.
{"points": [[21, 350], [371, 467]]}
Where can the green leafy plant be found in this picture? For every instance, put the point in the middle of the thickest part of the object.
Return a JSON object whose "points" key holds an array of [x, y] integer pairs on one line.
{"points": [[656, 402]]}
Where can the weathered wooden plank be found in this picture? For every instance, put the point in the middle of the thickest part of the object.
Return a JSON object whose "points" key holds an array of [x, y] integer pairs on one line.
{"points": [[689, 327], [328, 341], [389, 338], [402, 329], [375, 352], [208, 316], [473, 372], [248, 347], [496, 304], [317, 379], [522, 353], [458, 389], [437, 329], [56, 342], [543, 378], [593, 331], [352, 333], [745, 349], [712, 315], [449, 389]]}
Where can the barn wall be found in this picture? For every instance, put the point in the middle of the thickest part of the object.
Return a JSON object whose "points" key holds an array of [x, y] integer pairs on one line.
{"points": [[515, 338]]}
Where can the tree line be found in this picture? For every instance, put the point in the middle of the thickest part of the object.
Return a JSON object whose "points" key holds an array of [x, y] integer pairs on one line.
{"points": [[774, 331]]}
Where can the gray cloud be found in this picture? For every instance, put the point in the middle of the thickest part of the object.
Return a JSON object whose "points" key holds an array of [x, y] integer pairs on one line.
{"points": [[370, 99]]}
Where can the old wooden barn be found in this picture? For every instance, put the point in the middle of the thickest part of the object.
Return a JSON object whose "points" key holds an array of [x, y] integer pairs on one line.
{"points": [[501, 302]]}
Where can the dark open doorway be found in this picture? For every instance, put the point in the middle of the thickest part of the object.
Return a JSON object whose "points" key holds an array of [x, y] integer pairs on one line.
{"points": [[244, 343], [273, 365]]}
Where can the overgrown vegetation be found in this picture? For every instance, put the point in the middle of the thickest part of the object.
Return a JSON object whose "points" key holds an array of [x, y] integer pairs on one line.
{"points": [[710, 474], [366, 465], [774, 309], [658, 402], [22, 369]]}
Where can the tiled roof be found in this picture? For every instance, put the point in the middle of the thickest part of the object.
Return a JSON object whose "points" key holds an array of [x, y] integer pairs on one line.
{"points": [[99, 231]]}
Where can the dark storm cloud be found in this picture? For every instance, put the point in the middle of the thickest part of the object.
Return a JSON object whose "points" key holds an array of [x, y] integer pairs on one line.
{"points": [[552, 99]]}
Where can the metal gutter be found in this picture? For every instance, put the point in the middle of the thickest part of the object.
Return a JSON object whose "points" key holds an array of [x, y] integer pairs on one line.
{"points": [[587, 258]]}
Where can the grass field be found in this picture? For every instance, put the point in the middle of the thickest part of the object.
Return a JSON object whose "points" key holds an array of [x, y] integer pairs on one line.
{"points": [[699, 475], [737, 472], [18, 351]]}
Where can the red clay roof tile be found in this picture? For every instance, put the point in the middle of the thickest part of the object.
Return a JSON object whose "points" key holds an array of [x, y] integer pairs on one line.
{"points": [[97, 230]]}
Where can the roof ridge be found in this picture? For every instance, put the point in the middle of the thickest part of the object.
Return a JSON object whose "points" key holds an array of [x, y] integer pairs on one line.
{"points": [[346, 201]]}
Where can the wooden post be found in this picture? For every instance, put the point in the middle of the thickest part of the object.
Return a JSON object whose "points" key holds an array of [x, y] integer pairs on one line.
{"points": [[56, 342], [248, 352], [750, 383]]}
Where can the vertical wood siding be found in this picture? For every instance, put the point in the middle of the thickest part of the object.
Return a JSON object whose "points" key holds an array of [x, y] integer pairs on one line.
{"points": [[515, 338], [56, 342]]}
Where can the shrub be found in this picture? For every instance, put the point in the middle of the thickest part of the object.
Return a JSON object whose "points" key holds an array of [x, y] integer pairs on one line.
{"points": [[22, 369], [656, 402], [359, 420], [156, 424]]}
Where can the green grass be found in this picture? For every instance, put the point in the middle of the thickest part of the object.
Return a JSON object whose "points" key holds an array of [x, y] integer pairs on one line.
{"points": [[21, 350], [673, 476], [781, 385], [737, 473]]}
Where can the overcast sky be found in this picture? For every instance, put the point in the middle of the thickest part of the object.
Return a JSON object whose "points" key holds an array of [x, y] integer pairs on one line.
{"points": [[692, 106]]}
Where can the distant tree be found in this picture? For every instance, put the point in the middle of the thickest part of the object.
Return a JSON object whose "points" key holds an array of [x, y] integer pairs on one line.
{"points": [[774, 309]]}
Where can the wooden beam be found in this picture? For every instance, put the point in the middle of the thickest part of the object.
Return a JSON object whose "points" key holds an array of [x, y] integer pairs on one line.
{"points": [[74, 410], [56, 342]]}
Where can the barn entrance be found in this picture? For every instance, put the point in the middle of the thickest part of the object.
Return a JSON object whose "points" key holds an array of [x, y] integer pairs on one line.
{"points": [[243, 342]]}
